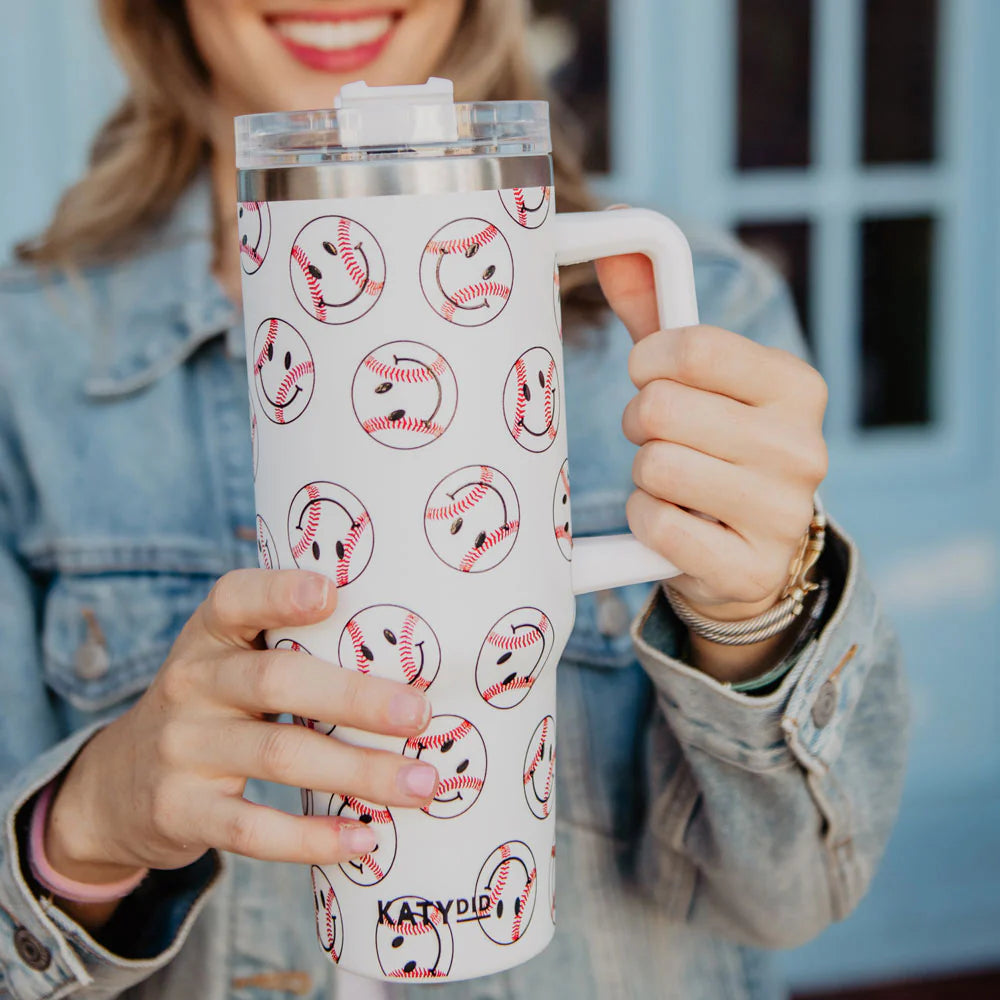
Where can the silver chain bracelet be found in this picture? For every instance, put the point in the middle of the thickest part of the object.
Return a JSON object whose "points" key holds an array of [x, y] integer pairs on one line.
{"points": [[771, 622]]}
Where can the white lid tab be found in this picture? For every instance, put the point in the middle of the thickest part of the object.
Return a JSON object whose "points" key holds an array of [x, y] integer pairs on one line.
{"points": [[397, 116]]}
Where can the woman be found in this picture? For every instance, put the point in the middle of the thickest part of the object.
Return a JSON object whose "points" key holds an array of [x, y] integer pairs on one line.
{"points": [[715, 800]]}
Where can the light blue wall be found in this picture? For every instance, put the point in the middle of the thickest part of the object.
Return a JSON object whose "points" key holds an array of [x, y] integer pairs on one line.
{"points": [[923, 505]]}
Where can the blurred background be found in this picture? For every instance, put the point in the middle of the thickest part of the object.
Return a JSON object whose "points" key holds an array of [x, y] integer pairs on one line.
{"points": [[857, 144]]}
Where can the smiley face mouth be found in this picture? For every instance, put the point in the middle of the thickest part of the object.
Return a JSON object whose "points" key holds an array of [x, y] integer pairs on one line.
{"points": [[547, 429], [323, 301], [454, 798], [453, 298], [287, 403]]}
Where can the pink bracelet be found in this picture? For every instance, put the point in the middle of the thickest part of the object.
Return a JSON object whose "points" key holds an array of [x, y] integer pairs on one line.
{"points": [[59, 885]]}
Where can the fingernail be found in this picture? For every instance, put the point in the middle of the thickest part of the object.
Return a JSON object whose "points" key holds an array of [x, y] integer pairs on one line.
{"points": [[614, 208], [311, 592], [357, 839], [409, 710], [418, 780]]}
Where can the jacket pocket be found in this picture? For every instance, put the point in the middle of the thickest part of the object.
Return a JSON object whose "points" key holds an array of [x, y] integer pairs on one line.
{"points": [[104, 636]]}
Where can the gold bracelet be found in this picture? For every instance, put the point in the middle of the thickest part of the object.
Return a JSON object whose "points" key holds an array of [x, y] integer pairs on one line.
{"points": [[776, 619]]}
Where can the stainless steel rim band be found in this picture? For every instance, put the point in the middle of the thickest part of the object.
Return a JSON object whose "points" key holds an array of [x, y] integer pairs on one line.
{"points": [[368, 178]]}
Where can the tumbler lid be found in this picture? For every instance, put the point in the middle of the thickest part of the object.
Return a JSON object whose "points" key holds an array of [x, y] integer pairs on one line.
{"points": [[393, 123]]}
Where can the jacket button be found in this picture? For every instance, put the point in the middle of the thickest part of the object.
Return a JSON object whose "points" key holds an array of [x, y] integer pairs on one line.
{"points": [[825, 704], [31, 951], [613, 619], [91, 661]]}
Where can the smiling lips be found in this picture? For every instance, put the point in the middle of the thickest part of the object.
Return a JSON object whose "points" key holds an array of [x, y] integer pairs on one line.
{"points": [[334, 43]]}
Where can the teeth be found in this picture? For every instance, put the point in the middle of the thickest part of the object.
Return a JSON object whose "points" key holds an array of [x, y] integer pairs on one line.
{"points": [[334, 35]]}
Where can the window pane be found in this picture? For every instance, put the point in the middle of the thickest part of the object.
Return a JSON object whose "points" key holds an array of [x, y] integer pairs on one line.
{"points": [[900, 80], [787, 245], [569, 46], [896, 257], [775, 83]]}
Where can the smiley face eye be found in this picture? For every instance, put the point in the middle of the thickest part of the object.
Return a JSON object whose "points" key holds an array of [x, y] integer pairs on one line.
{"points": [[526, 392], [288, 360], [517, 906], [340, 549], [463, 766], [447, 745], [390, 636], [541, 379], [565, 497], [480, 540], [241, 211], [410, 966], [270, 351], [456, 526], [364, 818], [499, 908], [397, 415], [367, 654], [315, 272], [397, 941], [246, 239], [329, 248], [472, 250], [315, 551], [384, 387], [489, 272], [504, 657]]}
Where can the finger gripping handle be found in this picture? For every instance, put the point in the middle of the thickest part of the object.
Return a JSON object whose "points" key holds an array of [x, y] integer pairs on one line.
{"points": [[608, 561]]}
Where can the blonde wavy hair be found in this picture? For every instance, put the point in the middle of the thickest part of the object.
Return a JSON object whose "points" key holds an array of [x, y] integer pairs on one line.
{"points": [[151, 147]]}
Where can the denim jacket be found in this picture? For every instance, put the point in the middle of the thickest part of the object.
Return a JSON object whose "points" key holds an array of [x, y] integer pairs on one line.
{"points": [[697, 826]]}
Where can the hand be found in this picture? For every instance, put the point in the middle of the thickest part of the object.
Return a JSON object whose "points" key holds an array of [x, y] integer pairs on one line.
{"points": [[726, 428], [164, 782]]}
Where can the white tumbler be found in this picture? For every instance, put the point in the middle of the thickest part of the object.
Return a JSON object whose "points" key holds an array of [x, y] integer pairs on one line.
{"points": [[401, 291]]}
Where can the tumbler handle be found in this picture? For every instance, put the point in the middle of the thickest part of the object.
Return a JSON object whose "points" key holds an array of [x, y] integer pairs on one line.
{"points": [[607, 561]]}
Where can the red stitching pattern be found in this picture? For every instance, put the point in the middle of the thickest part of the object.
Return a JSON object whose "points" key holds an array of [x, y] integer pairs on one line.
{"points": [[412, 376], [265, 552], [357, 641], [302, 258], [375, 424], [550, 400], [272, 332], [518, 684], [435, 742], [493, 538], [539, 750], [467, 503], [312, 522], [250, 252], [350, 543], [416, 973], [501, 873], [456, 782], [367, 861], [561, 533], [484, 238], [354, 270], [521, 370], [515, 929], [522, 212], [463, 295], [406, 660], [382, 816], [251, 206], [287, 384], [514, 642]]}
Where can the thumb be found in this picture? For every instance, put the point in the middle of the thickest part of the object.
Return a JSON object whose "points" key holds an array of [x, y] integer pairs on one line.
{"points": [[627, 283]]}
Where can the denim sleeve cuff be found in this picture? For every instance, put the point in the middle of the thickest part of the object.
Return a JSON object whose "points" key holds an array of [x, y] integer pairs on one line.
{"points": [[43, 952], [805, 718]]}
